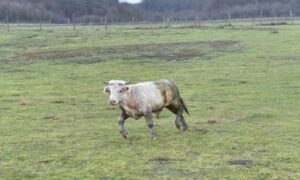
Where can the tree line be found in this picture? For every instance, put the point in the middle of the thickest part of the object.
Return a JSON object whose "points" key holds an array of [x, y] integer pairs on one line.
{"points": [[62, 11], [220, 9], [102, 11]]}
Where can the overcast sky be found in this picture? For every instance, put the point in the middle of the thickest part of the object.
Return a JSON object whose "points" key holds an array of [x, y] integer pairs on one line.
{"points": [[130, 1]]}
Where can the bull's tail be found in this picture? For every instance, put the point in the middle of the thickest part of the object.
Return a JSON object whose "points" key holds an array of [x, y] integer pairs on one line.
{"points": [[184, 106]]}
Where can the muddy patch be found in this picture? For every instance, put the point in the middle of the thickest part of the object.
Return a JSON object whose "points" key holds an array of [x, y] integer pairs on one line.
{"points": [[24, 102], [243, 82], [260, 150], [258, 116], [285, 58], [161, 165], [165, 166], [177, 51], [281, 58], [163, 160], [200, 130], [241, 162], [50, 117], [12, 70], [211, 122], [46, 161], [58, 102], [255, 28]]}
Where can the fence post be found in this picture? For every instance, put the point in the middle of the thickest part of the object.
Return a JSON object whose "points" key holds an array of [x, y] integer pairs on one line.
{"points": [[74, 22], [261, 17], [41, 28], [7, 23], [229, 18], [275, 17], [292, 16], [168, 22], [105, 22], [198, 21]]}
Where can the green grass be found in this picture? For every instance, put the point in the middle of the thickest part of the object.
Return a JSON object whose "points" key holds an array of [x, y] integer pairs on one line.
{"points": [[241, 85]]}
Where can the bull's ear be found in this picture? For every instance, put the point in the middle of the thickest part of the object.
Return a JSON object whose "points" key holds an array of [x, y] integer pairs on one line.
{"points": [[105, 82], [125, 88], [127, 82], [106, 90]]}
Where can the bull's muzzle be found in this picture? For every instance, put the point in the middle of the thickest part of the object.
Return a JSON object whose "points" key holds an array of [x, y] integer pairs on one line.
{"points": [[112, 102]]}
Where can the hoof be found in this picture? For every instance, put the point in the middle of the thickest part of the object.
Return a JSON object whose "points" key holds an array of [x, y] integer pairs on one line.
{"points": [[185, 128], [177, 125], [154, 138], [125, 135]]}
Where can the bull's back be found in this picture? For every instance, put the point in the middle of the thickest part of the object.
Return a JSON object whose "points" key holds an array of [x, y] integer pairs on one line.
{"points": [[147, 95]]}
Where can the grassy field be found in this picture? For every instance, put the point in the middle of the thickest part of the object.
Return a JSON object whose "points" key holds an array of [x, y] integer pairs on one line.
{"points": [[241, 85]]}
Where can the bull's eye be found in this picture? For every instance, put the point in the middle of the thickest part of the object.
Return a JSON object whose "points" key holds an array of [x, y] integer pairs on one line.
{"points": [[107, 90], [120, 91]]}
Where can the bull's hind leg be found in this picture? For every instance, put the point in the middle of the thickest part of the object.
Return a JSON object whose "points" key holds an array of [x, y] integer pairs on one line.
{"points": [[179, 117], [180, 122], [183, 122], [174, 109], [149, 121]]}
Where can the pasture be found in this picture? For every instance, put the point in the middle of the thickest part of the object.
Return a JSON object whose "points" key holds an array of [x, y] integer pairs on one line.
{"points": [[240, 83]]}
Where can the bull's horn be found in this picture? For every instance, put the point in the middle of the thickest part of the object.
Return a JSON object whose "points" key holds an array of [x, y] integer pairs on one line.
{"points": [[106, 82], [127, 82]]}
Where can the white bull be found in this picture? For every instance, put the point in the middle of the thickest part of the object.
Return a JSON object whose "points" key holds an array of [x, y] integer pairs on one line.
{"points": [[143, 99]]}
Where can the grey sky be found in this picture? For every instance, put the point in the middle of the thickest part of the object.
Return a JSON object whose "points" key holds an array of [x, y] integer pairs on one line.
{"points": [[130, 1]]}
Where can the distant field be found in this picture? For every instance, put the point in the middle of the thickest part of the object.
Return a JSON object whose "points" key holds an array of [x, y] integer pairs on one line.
{"points": [[241, 85]]}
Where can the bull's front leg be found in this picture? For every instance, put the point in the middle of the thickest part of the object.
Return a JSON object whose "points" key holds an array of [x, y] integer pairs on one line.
{"points": [[123, 117], [149, 121]]}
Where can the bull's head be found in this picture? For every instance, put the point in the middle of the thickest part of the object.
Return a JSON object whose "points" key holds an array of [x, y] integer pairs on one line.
{"points": [[116, 89]]}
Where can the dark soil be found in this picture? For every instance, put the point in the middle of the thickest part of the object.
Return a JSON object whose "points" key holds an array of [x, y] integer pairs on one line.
{"points": [[242, 162], [177, 51]]}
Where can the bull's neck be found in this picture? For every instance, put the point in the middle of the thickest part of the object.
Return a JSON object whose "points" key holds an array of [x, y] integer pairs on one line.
{"points": [[125, 97]]}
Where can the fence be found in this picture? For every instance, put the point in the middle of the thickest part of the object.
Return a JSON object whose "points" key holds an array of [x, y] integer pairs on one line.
{"points": [[142, 24]]}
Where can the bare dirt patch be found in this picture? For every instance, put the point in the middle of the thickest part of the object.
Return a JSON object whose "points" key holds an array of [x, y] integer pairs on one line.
{"points": [[201, 131], [12, 70], [46, 161], [254, 28], [58, 101], [163, 159], [177, 51], [281, 58], [286, 58], [241, 162], [211, 122]]}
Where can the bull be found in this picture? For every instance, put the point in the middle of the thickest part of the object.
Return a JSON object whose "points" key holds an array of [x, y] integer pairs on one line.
{"points": [[146, 99]]}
